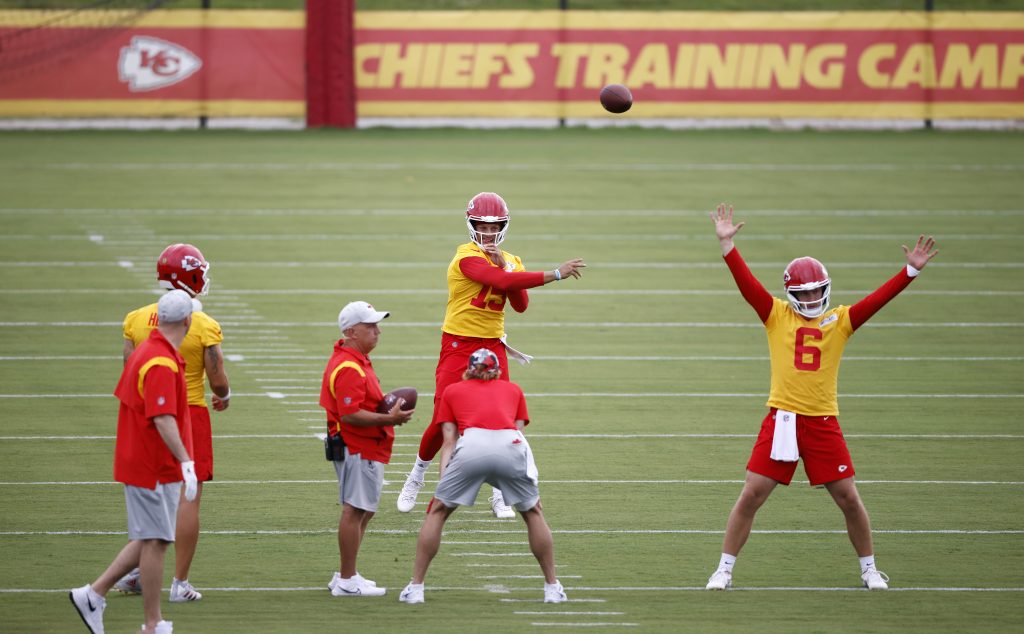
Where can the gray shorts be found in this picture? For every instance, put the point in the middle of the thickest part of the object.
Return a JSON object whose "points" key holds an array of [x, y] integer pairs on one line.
{"points": [[501, 458], [152, 513], [359, 482]]}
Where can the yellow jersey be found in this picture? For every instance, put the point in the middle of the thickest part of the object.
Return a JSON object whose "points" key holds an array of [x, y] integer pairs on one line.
{"points": [[204, 332], [805, 355], [475, 309]]}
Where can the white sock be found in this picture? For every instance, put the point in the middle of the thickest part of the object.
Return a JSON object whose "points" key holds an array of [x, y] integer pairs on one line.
{"points": [[94, 595], [866, 563], [419, 468], [727, 562]]}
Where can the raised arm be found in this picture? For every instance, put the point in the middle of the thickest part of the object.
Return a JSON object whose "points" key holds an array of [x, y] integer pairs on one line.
{"points": [[751, 289], [917, 259]]}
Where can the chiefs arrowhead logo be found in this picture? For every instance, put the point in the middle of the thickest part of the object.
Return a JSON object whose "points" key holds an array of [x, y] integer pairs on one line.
{"points": [[149, 63], [191, 263]]}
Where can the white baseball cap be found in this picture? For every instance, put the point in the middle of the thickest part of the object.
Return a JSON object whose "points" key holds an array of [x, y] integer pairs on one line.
{"points": [[359, 313], [174, 307]]}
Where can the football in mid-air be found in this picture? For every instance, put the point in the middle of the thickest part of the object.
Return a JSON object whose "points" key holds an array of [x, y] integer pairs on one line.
{"points": [[616, 98], [408, 393]]}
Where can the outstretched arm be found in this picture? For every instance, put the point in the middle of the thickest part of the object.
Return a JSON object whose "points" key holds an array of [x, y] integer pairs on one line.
{"points": [[751, 289], [478, 270], [917, 259]]}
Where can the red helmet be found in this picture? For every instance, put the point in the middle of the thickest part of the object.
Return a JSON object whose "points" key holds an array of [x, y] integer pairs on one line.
{"points": [[485, 360], [487, 207], [806, 274], [183, 266]]}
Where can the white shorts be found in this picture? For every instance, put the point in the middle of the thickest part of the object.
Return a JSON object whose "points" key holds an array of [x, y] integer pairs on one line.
{"points": [[152, 513], [359, 482], [501, 458]]}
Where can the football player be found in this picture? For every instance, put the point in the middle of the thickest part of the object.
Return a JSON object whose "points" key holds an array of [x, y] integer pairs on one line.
{"points": [[481, 280], [182, 266], [805, 343]]}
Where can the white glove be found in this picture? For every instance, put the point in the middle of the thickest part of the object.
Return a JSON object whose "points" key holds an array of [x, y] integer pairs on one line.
{"points": [[188, 471]]}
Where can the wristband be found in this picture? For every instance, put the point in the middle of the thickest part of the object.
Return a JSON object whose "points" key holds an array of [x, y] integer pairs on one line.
{"points": [[228, 396], [912, 272], [558, 275]]}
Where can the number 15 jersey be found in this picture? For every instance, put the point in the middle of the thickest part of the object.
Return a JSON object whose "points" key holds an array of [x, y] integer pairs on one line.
{"points": [[477, 308]]}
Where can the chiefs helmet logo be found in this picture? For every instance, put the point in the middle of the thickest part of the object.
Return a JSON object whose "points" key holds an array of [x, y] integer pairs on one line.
{"points": [[785, 277], [191, 263]]}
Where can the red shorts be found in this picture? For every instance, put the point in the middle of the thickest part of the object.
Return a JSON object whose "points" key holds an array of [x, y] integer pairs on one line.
{"points": [[822, 449], [452, 363], [202, 442]]}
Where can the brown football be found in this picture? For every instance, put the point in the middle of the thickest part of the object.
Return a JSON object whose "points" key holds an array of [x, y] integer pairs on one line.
{"points": [[408, 393], [616, 98]]}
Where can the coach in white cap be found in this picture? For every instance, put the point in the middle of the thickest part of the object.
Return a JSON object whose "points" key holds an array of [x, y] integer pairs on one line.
{"points": [[359, 438], [152, 456]]}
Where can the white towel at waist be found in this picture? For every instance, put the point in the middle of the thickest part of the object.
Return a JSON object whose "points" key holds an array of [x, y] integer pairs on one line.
{"points": [[784, 446]]}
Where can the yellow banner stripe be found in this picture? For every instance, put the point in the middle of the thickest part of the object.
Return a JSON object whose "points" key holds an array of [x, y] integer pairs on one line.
{"points": [[166, 18], [106, 108], [342, 366], [703, 110], [538, 20], [167, 362], [688, 20]]}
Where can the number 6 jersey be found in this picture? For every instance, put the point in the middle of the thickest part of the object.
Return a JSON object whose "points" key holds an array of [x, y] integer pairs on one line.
{"points": [[805, 351]]}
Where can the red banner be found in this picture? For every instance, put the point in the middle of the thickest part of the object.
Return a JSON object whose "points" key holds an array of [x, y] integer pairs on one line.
{"points": [[166, 63], [526, 64]]}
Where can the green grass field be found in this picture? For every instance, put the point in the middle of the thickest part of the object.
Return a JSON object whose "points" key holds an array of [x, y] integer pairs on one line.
{"points": [[647, 390]]}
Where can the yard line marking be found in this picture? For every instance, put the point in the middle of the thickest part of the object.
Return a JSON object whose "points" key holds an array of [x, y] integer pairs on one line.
{"points": [[542, 624], [565, 614], [543, 481], [433, 358], [519, 531], [526, 577], [366, 264], [540, 600], [701, 589], [544, 213], [396, 166], [614, 238], [761, 395], [546, 325], [439, 292], [582, 436]]}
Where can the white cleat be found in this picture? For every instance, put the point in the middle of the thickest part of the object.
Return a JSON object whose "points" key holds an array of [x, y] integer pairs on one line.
{"points": [[356, 586], [337, 577], [163, 627], [183, 592], [407, 498], [131, 583], [501, 510], [721, 580], [89, 608], [413, 593], [554, 593], [875, 579]]}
